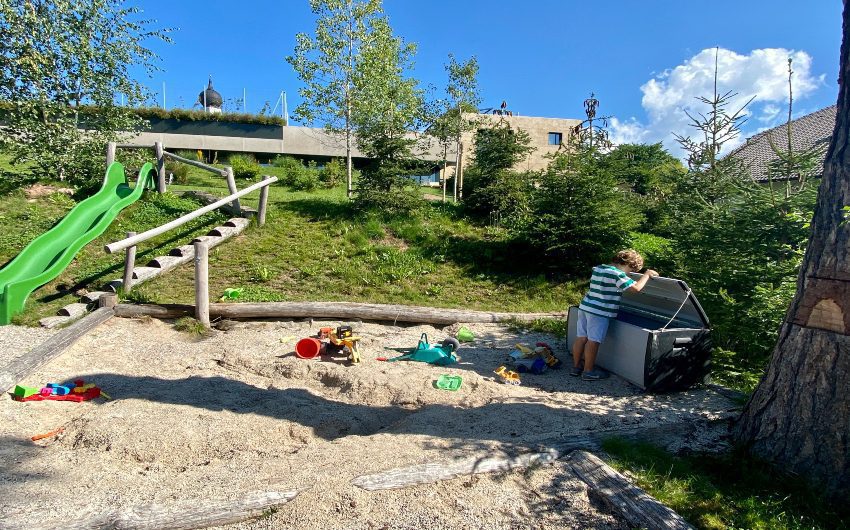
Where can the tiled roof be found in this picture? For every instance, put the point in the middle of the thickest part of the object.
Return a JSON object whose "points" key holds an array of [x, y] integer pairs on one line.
{"points": [[813, 129]]}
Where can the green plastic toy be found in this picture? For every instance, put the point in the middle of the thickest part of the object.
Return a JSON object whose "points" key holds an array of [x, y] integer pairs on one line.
{"points": [[425, 352], [464, 334], [449, 382]]}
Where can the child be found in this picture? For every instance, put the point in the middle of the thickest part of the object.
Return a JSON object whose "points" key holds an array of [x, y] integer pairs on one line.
{"points": [[601, 304]]}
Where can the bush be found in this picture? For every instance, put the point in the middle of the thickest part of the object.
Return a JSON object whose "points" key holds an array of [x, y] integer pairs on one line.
{"points": [[333, 173], [307, 179], [657, 251], [244, 167], [579, 213], [179, 170]]}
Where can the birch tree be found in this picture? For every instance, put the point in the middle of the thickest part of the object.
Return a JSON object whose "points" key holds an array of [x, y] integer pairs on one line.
{"points": [[328, 62]]}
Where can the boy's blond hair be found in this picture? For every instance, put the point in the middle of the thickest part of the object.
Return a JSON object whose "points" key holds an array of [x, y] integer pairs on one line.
{"points": [[629, 257]]}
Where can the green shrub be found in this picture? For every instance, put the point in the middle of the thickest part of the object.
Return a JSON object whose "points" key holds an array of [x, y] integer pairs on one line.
{"points": [[333, 173], [179, 170], [657, 251], [244, 167], [579, 213]]}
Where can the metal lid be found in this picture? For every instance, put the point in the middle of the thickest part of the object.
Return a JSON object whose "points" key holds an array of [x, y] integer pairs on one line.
{"points": [[664, 298]]}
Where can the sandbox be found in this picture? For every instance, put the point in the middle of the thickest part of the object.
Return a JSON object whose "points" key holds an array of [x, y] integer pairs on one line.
{"points": [[194, 418]]}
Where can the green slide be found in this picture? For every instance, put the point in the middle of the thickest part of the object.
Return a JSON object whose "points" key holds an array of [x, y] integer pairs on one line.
{"points": [[47, 255]]}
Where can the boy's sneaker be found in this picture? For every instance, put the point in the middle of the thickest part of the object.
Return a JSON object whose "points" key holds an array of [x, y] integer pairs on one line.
{"points": [[594, 375], [575, 371]]}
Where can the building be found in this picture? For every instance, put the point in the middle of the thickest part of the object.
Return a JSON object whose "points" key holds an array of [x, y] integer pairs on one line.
{"points": [[812, 130]]}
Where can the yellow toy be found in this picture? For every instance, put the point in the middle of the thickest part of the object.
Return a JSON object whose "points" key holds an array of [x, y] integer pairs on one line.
{"points": [[508, 376], [341, 340]]}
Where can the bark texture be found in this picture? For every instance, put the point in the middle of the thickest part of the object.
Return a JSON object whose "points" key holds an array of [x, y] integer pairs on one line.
{"points": [[799, 416]]}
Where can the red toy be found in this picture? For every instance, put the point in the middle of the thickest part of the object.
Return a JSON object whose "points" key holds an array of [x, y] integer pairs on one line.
{"points": [[54, 392]]}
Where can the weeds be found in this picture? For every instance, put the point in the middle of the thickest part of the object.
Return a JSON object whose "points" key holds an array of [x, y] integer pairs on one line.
{"points": [[191, 326]]}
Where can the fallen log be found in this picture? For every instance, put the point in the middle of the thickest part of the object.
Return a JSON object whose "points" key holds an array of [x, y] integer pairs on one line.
{"points": [[437, 471], [335, 310], [183, 515], [24, 365], [636, 506]]}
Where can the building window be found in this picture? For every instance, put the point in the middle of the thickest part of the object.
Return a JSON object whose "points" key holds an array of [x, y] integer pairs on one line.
{"points": [[555, 138]]}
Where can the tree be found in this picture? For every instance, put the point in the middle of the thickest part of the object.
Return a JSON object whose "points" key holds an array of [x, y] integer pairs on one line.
{"points": [[453, 120], [62, 64], [493, 187], [579, 214], [329, 64], [799, 416], [388, 107]]}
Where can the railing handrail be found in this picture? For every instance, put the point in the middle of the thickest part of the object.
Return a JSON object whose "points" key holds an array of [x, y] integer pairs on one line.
{"points": [[196, 163], [144, 236]]}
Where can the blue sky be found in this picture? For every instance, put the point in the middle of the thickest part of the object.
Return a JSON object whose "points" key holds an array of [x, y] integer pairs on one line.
{"points": [[645, 60]]}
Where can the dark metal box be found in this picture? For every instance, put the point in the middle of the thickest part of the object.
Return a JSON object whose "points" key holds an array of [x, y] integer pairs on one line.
{"points": [[660, 340]]}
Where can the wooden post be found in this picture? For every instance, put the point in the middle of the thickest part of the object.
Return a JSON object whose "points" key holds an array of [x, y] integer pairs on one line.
{"points": [[264, 201], [110, 153], [160, 167], [129, 265], [108, 300], [231, 184], [202, 288], [459, 172]]}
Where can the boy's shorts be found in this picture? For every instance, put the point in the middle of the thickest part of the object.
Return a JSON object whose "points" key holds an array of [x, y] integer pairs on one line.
{"points": [[594, 327]]}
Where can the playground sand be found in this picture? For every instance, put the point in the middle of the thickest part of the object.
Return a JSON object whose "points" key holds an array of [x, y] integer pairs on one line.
{"points": [[215, 417]]}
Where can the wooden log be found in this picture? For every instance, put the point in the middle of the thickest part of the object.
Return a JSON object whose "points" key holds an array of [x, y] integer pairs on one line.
{"points": [[196, 163], [144, 236], [110, 153], [74, 310], [231, 185], [636, 506], [108, 300], [130, 261], [160, 167], [166, 263], [92, 296], [202, 287], [377, 312], [182, 251], [180, 515], [264, 202], [155, 311], [54, 322], [341, 311], [141, 274], [24, 365], [434, 472]]}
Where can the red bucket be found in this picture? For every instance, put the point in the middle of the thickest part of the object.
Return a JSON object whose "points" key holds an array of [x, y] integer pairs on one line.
{"points": [[308, 348]]}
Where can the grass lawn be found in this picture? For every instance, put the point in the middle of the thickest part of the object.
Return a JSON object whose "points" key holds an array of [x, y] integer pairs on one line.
{"points": [[313, 247], [724, 491]]}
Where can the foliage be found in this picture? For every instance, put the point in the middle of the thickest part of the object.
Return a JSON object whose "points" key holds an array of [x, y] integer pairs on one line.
{"points": [[458, 113], [491, 185], [58, 56], [579, 214], [332, 173], [295, 175], [330, 65], [244, 167], [659, 253], [719, 491], [389, 105], [650, 172], [742, 256]]}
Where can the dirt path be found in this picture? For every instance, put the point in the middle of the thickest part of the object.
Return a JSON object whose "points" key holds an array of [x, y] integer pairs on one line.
{"points": [[237, 411]]}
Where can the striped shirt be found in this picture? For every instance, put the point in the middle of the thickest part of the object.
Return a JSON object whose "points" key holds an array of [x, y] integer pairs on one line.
{"points": [[606, 288]]}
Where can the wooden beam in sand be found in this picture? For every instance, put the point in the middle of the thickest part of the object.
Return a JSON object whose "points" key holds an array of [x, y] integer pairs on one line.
{"points": [[333, 310], [181, 515], [635, 505], [37, 357]]}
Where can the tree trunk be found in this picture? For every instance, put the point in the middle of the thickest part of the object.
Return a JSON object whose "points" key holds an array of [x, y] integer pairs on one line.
{"points": [[799, 416]]}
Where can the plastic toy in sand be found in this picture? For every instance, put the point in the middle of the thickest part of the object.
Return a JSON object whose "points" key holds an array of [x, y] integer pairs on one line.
{"points": [[507, 376], [448, 382], [342, 340], [442, 354], [79, 391]]}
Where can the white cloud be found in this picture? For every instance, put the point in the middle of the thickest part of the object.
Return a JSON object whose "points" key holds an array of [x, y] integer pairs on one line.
{"points": [[762, 73]]}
